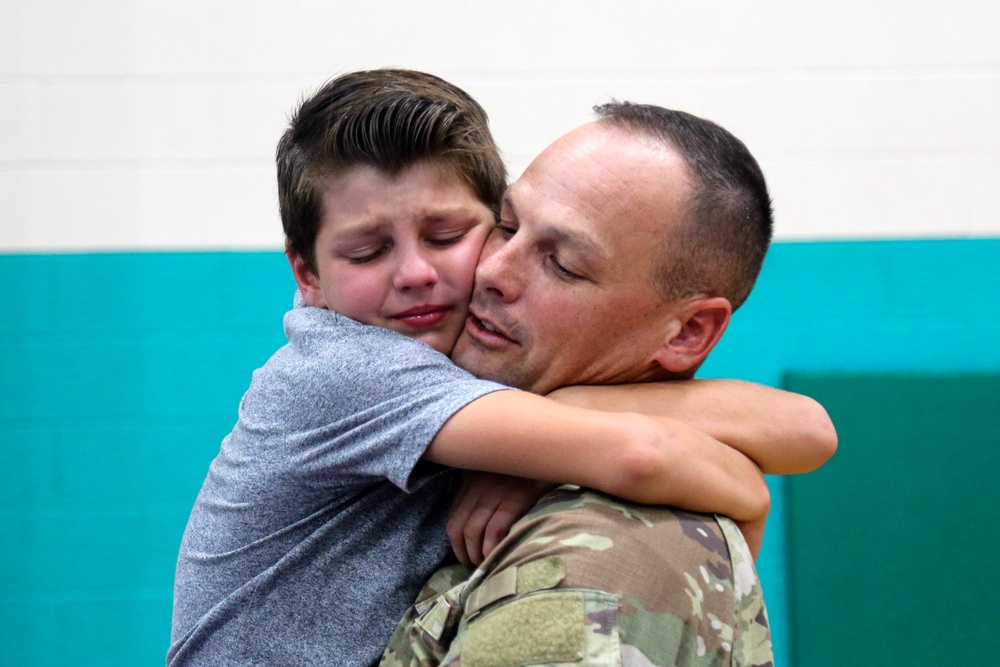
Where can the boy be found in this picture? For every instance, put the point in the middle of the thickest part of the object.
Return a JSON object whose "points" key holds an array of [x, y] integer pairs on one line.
{"points": [[323, 513]]}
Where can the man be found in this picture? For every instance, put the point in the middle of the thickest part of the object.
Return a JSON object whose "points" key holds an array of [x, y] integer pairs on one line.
{"points": [[619, 258]]}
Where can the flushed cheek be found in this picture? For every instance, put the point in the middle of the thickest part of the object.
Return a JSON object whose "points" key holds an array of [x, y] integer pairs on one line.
{"points": [[362, 302], [561, 321], [463, 271]]}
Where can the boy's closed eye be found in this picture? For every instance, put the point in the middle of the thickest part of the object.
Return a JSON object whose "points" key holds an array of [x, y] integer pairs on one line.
{"points": [[367, 254]]}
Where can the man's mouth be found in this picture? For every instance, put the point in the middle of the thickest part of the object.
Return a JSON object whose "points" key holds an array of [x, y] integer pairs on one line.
{"points": [[487, 333], [423, 316]]}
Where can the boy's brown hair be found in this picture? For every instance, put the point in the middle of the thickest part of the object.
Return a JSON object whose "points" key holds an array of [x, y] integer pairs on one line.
{"points": [[389, 119]]}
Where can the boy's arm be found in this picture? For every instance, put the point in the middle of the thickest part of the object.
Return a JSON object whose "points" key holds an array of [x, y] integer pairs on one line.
{"points": [[488, 505], [782, 432], [655, 460]]}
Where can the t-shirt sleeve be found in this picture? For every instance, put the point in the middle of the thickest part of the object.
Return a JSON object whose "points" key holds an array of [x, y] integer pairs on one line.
{"points": [[357, 409]]}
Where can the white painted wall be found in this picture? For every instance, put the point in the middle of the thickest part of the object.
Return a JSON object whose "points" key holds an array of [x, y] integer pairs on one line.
{"points": [[151, 124]]}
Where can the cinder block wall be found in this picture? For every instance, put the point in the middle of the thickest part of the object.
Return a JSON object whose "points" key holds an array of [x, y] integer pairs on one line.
{"points": [[150, 124], [139, 242]]}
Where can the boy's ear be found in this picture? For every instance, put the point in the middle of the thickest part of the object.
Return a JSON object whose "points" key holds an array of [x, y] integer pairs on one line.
{"points": [[696, 328], [306, 279]]}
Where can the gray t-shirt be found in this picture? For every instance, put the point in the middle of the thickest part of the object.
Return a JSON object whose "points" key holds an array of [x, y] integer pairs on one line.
{"points": [[318, 523]]}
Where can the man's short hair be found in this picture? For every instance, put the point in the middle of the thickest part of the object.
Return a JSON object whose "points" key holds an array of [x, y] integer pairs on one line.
{"points": [[719, 248], [389, 119]]}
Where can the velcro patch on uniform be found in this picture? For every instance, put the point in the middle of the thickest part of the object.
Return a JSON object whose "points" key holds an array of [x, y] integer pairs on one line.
{"points": [[544, 627], [496, 586], [533, 576], [434, 619], [540, 574]]}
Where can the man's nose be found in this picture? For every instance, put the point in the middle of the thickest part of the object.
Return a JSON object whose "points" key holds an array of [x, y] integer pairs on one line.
{"points": [[497, 272], [414, 271]]}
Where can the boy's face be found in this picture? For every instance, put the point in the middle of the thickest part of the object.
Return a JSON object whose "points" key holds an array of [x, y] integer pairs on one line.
{"points": [[398, 252]]}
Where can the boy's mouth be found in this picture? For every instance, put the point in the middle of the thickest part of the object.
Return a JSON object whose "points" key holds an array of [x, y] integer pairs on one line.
{"points": [[423, 316]]}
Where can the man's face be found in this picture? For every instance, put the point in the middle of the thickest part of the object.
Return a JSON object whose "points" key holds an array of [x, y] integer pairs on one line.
{"points": [[398, 251], [564, 289]]}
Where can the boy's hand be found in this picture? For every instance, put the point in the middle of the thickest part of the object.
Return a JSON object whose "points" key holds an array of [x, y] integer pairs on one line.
{"points": [[485, 508], [753, 533]]}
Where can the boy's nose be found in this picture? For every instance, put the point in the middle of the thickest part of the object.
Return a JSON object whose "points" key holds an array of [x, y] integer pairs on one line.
{"points": [[414, 271]]}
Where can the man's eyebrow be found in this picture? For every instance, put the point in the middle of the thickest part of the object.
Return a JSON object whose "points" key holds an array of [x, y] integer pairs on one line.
{"points": [[507, 201], [588, 248]]}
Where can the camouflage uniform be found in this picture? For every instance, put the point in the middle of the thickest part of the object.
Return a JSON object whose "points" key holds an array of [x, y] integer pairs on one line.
{"points": [[586, 579]]}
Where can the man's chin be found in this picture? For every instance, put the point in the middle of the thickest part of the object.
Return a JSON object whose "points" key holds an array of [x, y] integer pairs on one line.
{"points": [[481, 362], [466, 354]]}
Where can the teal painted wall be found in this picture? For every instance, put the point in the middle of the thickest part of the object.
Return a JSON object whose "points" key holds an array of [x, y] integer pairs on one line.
{"points": [[924, 306], [121, 373], [120, 376]]}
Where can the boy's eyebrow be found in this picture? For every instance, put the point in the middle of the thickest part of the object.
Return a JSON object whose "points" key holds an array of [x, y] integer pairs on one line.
{"points": [[431, 216], [365, 228], [452, 214]]}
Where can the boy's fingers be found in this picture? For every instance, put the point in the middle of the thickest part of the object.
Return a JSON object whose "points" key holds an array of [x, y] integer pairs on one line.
{"points": [[485, 508], [475, 527], [498, 527], [470, 513], [466, 531]]}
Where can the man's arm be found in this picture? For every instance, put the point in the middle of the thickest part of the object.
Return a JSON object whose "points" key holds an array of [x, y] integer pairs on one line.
{"points": [[656, 460], [783, 433]]}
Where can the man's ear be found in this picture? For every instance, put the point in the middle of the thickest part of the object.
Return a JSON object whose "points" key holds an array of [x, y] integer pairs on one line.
{"points": [[306, 279], [698, 326]]}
